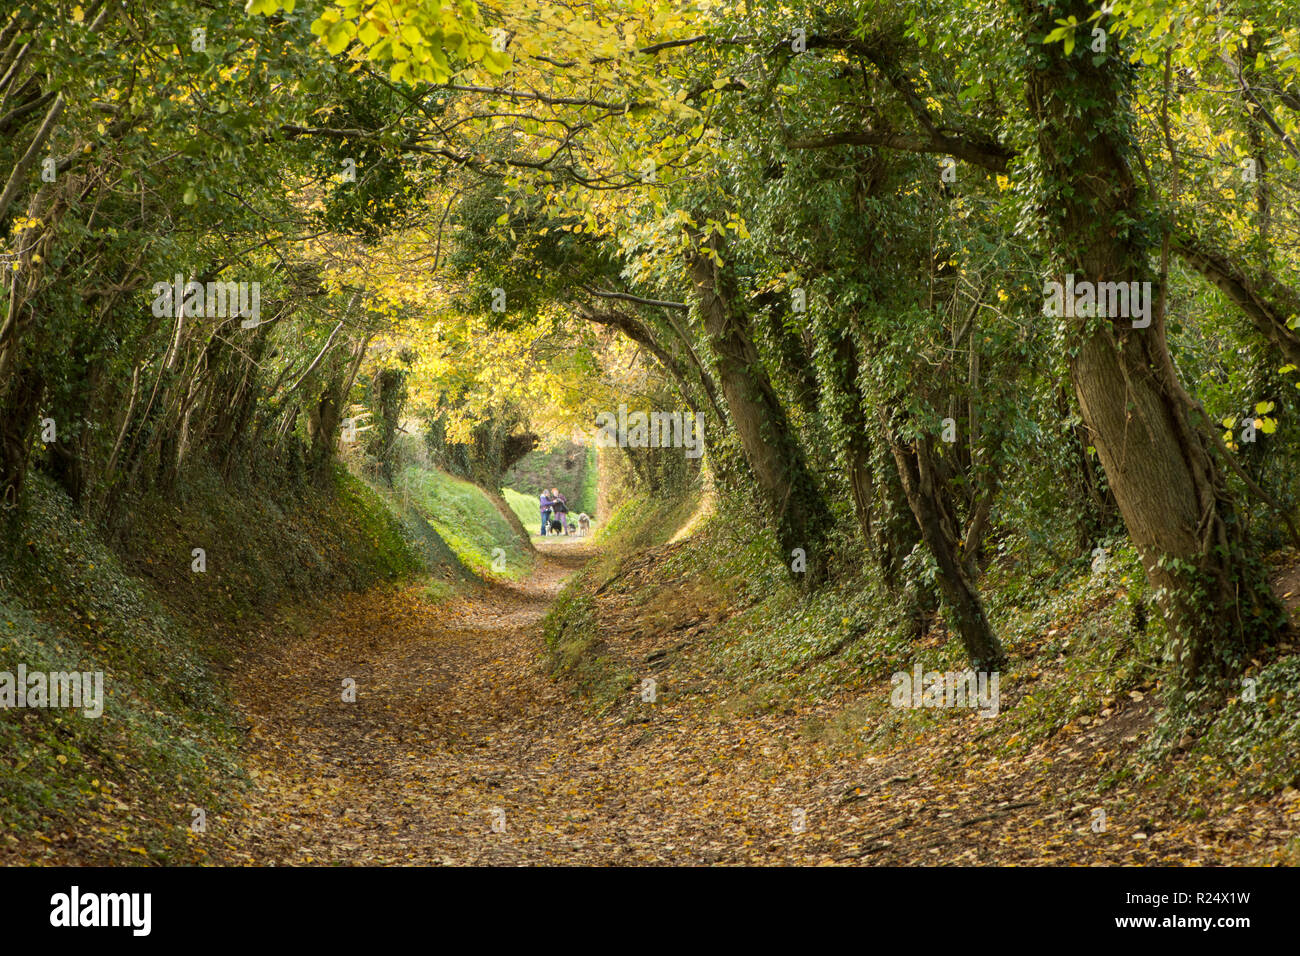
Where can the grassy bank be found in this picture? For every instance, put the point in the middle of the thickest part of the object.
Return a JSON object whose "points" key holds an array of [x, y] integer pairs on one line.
{"points": [[576, 648], [159, 615], [467, 519]]}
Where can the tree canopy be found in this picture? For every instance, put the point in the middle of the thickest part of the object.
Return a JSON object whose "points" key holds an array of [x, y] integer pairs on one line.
{"points": [[835, 230]]}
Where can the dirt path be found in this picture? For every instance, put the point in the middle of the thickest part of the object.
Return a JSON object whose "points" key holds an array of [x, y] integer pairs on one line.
{"points": [[456, 724]]}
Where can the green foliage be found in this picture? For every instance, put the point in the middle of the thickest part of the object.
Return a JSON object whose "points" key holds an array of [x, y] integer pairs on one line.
{"points": [[525, 508], [1254, 740], [584, 502], [512, 254], [416, 40], [70, 604], [576, 650], [1085, 638]]}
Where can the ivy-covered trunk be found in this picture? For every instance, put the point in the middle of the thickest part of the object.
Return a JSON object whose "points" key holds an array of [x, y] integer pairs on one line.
{"points": [[1153, 442], [323, 420], [790, 495], [932, 505], [388, 397], [20, 400]]}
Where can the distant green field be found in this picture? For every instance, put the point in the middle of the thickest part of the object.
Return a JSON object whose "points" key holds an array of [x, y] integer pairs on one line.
{"points": [[468, 521]]}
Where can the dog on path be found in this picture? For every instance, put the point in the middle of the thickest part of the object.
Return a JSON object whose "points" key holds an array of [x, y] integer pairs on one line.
{"points": [[584, 525]]}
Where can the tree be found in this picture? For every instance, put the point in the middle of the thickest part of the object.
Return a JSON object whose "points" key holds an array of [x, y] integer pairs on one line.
{"points": [[1153, 439]]}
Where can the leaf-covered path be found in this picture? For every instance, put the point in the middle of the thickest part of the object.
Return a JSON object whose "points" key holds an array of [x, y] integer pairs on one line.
{"points": [[456, 717]]}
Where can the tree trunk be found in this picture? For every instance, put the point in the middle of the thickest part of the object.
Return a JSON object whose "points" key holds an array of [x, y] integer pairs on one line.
{"points": [[640, 333], [932, 506], [1157, 456], [773, 453], [18, 414], [323, 428]]}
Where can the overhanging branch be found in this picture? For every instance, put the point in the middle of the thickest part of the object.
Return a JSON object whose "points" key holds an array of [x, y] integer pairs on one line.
{"points": [[627, 297]]}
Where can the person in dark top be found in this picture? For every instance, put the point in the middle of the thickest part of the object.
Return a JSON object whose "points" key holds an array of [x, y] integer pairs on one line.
{"points": [[544, 500], [560, 509]]}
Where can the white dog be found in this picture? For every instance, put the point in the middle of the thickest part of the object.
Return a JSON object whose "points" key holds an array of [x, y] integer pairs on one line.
{"points": [[584, 525]]}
